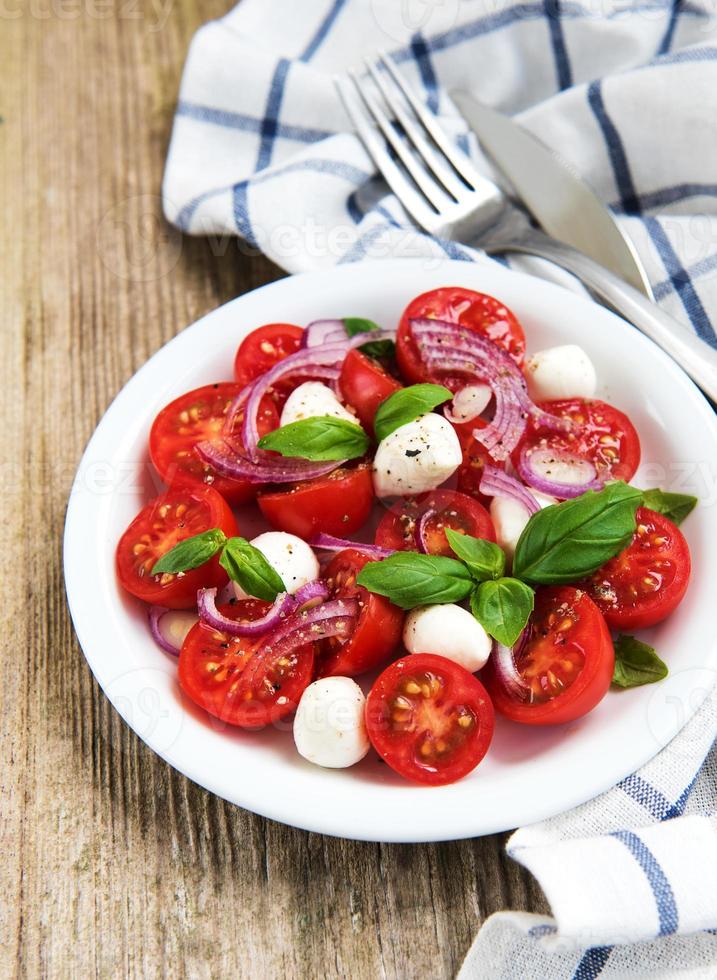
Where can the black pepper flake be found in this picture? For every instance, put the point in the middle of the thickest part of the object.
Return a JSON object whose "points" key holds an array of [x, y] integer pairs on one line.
{"points": [[413, 452]]}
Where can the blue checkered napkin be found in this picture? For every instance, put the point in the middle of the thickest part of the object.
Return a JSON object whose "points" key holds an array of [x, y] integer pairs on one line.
{"points": [[260, 150]]}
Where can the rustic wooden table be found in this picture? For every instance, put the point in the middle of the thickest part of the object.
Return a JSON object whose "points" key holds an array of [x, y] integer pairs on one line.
{"points": [[113, 864]]}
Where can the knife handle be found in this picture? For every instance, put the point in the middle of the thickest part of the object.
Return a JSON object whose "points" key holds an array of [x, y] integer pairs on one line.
{"points": [[694, 356]]}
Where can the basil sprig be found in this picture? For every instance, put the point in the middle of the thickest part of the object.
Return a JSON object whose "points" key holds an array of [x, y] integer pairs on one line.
{"points": [[485, 560], [407, 405], [636, 663], [503, 607], [568, 541], [409, 579], [243, 563], [191, 553], [324, 438], [675, 506], [374, 348]]}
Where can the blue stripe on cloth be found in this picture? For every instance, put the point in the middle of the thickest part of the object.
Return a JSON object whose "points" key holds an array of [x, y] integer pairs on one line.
{"points": [[241, 212], [682, 283], [689, 56], [701, 268], [666, 42], [615, 148], [246, 123], [560, 51], [655, 802], [359, 248], [270, 122], [670, 195], [323, 29], [422, 54], [545, 929], [592, 963], [663, 894]]}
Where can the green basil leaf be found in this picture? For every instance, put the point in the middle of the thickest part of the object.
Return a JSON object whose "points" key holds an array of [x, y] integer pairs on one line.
{"points": [[409, 579], [484, 559], [676, 506], [406, 405], [247, 566], [357, 324], [191, 553], [322, 438], [566, 542], [636, 663], [380, 350], [503, 607]]}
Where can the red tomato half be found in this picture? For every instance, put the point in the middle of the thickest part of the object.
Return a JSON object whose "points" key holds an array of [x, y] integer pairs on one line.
{"points": [[335, 504], [263, 348], [429, 719], [379, 627], [477, 311], [365, 384], [644, 583], [564, 664], [398, 526], [239, 680], [602, 434], [180, 513], [475, 458], [199, 416]]}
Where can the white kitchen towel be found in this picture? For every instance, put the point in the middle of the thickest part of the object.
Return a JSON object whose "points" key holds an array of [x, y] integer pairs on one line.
{"points": [[627, 92]]}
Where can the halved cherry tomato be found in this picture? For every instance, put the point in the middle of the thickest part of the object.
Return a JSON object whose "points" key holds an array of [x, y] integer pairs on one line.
{"points": [[475, 458], [199, 416], [262, 349], [429, 719], [477, 311], [335, 504], [378, 628], [648, 580], [239, 679], [398, 526], [602, 434], [563, 664], [180, 513], [365, 384]]}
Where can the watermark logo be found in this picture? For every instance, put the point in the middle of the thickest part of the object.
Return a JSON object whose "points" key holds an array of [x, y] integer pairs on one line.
{"points": [[401, 19], [134, 241]]}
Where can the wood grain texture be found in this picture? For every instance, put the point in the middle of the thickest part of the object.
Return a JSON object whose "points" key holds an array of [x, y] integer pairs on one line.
{"points": [[113, 864]]}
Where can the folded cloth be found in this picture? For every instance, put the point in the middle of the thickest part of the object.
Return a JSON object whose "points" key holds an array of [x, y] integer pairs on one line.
{"points": [[261, 149]]}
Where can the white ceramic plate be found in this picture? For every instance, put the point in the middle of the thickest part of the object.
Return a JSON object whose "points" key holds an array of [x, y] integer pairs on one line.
{"points": [[529, 774]]}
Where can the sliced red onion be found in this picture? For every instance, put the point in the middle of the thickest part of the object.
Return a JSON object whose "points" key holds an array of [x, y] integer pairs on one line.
{"points": [[496, 483], [283, 605], [269, 469], [327, 542], [504, 664], [324, 332], [310, 593], [169, 627], [449, 346], [468, 403], [559, 474], [421, 533], [331, 618]]}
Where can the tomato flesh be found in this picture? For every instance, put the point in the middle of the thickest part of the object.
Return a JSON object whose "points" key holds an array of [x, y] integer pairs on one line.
{"points": [[262, 349], [429, 719], [378, 630], [477, 311], [200, 416], [648, 580], [240, 680], [337, 504], [398, 528], [170, 518], [365, 384], [475, 458], [563, 665], [602, 434]]}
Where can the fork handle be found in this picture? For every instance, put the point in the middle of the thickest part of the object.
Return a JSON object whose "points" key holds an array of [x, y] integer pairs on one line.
{"points": [[697, 358]]}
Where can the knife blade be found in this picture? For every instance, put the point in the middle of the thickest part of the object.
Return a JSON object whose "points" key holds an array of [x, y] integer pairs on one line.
{"points": [[562, 203]]}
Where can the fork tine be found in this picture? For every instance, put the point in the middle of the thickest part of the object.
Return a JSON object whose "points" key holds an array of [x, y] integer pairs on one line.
{"points": [[423, 180], [400, 185], [414, 133], [459, 160]]}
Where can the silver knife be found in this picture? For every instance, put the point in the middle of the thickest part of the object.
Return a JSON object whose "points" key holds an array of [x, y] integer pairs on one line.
{"points": [[562, 203]]}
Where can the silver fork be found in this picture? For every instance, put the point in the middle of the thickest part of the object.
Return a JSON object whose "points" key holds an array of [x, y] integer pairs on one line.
{"points": [[443, 192]]}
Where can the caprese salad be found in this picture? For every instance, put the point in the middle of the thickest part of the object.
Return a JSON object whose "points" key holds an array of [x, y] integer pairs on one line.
{"points": [[441, 506]]}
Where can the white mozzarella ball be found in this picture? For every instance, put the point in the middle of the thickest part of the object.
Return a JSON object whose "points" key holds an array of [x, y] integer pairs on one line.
{"points": [[418, 456], [449, 631], [510, 517], [289, 556], [313, 400], [470, 401], [330, 727], [560, 372]]}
